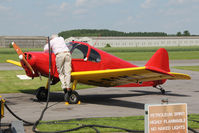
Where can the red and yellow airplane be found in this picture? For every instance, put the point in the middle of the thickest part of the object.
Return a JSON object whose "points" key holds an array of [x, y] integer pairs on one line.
{"points": [[93, 66]]}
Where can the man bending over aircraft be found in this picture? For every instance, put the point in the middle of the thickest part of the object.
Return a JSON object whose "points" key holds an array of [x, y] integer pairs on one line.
{"points": [[63, 60]]}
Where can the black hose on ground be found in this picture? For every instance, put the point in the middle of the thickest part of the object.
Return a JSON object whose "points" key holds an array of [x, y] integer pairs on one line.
{"points": [[93, 127], [78, 128], [190, 129], [194, 131], [27, 123], [48, 88]]}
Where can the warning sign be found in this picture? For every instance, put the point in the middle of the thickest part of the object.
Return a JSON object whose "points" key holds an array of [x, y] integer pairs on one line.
{"points": [[169, 118]]}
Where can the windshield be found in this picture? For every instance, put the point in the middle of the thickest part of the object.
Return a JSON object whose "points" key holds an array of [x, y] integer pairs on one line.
{"points": [[78, 50]]}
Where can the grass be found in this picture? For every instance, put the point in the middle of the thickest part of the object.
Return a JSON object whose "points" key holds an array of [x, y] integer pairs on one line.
{"points": [[131, 122], [10, 83], [192, 68], [9, 53], [126, 53], [150, 49], [145, 53], [137, 56], [191, 123]]}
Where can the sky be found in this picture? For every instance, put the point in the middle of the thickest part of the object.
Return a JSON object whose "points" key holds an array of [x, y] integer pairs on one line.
{"points": [[46, 17]]}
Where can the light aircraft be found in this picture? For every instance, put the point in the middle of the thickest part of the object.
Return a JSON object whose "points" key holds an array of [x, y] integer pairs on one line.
{"points": [[93, 66]]}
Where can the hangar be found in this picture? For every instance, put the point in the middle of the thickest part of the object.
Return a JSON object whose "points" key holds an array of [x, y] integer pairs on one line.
{"points": [[143, 41], [23, 41], [40, 41]]}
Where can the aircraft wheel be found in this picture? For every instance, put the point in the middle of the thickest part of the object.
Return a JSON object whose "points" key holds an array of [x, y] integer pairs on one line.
{"points": [[42, 94], [71, 97], [163, 92]]}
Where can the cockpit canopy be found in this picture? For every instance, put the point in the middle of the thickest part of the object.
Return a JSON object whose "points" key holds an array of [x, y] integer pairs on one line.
{"points": [[81, 51]]}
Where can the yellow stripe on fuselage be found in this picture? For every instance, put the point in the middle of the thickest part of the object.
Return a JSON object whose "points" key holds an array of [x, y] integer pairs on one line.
{"points": [[95, 72]]}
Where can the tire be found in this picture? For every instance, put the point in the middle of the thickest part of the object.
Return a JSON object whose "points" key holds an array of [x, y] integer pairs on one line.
{"points": [[71, 97], [163, 92], [42, 94]]}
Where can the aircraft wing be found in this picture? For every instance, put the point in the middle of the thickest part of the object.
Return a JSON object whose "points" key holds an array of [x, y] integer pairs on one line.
{"points": [[116, 77], [14, 62]]}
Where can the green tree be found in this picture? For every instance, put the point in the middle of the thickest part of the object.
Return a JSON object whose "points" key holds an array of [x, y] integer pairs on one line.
{"points": [[179, 34], [186, 33], [107, 45], [105, 32]]}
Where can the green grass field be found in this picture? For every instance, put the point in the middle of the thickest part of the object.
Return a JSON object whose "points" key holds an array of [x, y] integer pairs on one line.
{"points": [[128, 53], [138, 56], [9, 53], [145, 53], [191, 68], [150, 49], [10, 83], [132, 122]]}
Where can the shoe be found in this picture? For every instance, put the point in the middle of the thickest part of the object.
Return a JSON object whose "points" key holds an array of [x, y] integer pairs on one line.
{"points": [[65, 90]]}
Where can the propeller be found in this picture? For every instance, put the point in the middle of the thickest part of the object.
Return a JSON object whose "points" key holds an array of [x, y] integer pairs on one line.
{"points": [[22, 56]]}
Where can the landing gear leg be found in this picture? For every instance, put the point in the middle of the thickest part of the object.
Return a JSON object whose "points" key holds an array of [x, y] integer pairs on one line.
{"points": [[72, 97], [161, 89]]}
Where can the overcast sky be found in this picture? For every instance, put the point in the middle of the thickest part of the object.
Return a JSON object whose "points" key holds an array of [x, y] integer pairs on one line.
{"points": [[44, 17]]}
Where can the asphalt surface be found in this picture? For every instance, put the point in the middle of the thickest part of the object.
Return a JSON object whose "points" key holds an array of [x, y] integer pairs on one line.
{"points": [[8, 66], [108, 102]]}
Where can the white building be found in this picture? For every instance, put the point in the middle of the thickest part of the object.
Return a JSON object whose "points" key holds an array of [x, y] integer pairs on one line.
{"points": [[141, 41], [40, 41], [23, 41]]}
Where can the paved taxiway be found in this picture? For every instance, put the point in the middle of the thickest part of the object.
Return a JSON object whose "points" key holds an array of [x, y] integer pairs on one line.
{"points": [[107, 102]]}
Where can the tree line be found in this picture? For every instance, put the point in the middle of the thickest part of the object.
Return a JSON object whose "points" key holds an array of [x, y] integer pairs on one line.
{"points": [[185, 33], [106, 33]]}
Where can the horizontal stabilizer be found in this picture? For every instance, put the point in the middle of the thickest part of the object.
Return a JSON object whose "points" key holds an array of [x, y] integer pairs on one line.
{"points": [[177, 76]]}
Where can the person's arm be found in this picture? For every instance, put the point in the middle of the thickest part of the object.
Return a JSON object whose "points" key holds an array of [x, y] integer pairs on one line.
{"points": [[46, 48]]}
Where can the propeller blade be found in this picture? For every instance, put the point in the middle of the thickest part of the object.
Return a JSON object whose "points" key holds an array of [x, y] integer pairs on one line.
{"points": [[22, 56], [17, 49]]}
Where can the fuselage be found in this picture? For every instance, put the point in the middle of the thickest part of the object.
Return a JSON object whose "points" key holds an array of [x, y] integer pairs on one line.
{"points": [[84, 58]]}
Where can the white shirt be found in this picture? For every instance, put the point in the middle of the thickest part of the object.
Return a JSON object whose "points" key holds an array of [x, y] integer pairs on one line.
{"points": [[57, 44]]}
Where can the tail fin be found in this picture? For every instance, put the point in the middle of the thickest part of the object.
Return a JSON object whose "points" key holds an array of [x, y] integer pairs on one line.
{"points": [[160, 60]]}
